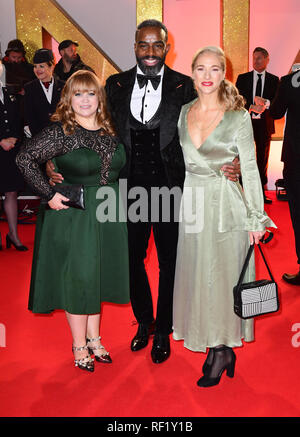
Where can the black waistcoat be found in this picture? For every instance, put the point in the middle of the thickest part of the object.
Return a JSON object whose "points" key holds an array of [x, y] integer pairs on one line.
{"points": [[147, 168]]}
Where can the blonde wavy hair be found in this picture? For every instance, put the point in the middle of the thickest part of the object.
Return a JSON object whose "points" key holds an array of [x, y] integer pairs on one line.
{"points": [[228, 94], [82, 81]]}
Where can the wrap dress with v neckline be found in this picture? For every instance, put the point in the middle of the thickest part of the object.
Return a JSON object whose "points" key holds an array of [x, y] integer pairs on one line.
{"points": [[215, 217]]}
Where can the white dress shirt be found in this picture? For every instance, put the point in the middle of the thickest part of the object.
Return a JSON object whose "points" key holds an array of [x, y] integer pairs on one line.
{"points": [[255, 79], [48, 92], [152, 98]]}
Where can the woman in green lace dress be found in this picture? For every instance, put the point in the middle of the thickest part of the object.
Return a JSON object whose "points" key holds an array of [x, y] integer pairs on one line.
{"points": [[219, 218], [80, 260]]}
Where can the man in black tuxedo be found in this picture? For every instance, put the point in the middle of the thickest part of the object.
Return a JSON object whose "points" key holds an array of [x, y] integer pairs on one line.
{"points": [[258, 87], [145, 104], [146, 114], [287, 102]]}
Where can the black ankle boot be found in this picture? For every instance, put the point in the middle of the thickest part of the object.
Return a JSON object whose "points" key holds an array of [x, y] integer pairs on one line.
{"points": [[209, 360], [223, 359]]}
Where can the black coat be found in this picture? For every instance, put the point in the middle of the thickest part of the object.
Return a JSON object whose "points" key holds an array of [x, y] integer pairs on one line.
{"points": [[287, 101], [37, 108], [244, 84], [10, 126], [17, 75], [77, 65], [177, 90], [10, 123]]}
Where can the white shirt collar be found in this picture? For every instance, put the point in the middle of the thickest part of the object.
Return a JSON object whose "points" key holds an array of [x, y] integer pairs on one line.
{"points": [[51, 83], [48, 92], [261, 72]]}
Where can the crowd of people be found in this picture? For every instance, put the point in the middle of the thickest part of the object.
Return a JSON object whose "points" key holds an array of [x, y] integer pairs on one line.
{"points": [[27, 102], [155, 128]]}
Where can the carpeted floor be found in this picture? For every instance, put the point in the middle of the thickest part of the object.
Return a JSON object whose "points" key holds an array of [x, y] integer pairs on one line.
{"points": [[38, 379]]}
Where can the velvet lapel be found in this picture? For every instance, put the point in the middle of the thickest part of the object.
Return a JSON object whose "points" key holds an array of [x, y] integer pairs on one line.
{"points": [[125, 85], [171, 101]]}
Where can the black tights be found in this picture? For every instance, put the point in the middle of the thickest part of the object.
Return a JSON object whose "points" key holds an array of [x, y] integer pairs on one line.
{"points": [[10, 205], [218, 358]]}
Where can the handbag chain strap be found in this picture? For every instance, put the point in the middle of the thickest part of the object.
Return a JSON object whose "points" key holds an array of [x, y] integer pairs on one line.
{"points": [[250, 251]]}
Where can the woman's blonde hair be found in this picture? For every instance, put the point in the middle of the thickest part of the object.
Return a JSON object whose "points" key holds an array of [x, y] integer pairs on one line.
{"points": [[228, 93], [82, 81]]}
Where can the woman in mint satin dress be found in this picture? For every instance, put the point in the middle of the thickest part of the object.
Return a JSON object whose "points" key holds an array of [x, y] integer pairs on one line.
{"points": [[219, 218], [76, 254]]}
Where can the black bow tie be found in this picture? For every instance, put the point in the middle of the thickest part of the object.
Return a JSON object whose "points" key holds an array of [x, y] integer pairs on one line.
{"points": [[143, 80]]}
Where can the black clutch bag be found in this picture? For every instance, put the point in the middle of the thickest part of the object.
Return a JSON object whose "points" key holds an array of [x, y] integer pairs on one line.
{"points": [[258, 297], [75, 194]]}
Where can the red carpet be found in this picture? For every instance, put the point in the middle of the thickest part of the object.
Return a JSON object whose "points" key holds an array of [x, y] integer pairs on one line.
{"points": [[38, 379]]}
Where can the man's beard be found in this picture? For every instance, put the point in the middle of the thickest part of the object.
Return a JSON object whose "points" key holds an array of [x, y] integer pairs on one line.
{"points": [[151, 71], [71, 59]]}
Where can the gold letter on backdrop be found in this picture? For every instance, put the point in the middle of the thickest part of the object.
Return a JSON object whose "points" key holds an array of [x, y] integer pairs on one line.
{"points": [[34, 15], [235, 36], [147, 9]]}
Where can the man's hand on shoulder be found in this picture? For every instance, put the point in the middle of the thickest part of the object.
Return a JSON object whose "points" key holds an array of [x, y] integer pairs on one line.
{"points": [[54, 178]]}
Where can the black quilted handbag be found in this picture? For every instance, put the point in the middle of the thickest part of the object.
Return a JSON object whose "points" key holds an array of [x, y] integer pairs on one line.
{"points": [[258, 297]]}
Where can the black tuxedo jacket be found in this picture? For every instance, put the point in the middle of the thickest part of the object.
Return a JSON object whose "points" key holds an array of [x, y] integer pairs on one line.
{"points": [[244, 84], [37, 108], [287, 101], [177, 90]]}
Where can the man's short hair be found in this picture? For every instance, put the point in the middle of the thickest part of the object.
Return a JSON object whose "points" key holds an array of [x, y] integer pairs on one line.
{"points": [[152, 23], [262, 50], [67, 43], [15, 45]]}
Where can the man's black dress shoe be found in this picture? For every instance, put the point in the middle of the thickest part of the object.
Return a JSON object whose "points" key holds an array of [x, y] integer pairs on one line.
{"points": [[292, 279], [161, 348], [140, 340], [267, 200]]}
